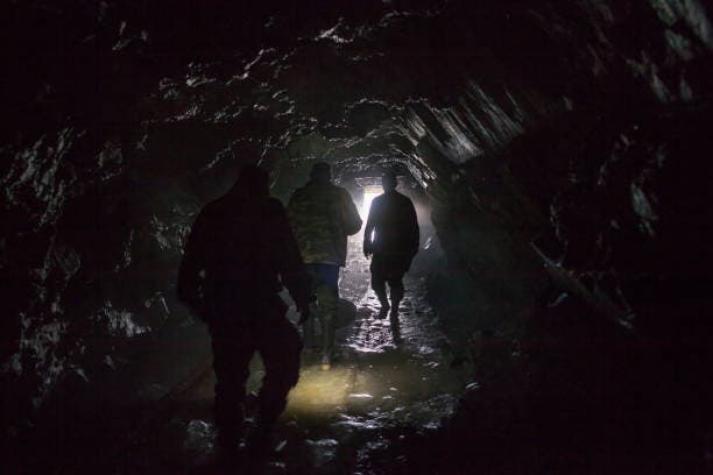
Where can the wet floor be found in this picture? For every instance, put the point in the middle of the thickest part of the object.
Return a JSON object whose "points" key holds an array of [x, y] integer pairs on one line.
{"points": [[389, 380]]}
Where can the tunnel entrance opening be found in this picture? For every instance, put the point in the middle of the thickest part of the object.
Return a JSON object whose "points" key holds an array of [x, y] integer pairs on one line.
{"points": [[369, 193]]}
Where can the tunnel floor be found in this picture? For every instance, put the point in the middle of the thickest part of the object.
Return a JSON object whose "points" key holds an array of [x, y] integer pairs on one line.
{"points": [[387, 383]]}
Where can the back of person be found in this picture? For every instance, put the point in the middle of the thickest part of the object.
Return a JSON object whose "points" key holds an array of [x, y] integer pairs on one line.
{"points": [[395, 228], [322, 216], [227, 252], [240, 252], [322, 219], [244, 264], [391, 236]]}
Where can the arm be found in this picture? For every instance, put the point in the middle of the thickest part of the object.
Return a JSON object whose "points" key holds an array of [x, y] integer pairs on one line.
{"points": [[351, 221], [290, 266], [189, 285], [368, 231]]}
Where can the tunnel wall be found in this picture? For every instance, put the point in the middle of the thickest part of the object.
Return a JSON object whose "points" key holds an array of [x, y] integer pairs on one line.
{"points": [[576, 127]]}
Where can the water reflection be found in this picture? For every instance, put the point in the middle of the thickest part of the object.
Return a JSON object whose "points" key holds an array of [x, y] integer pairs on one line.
{"points": [[391, 377]]}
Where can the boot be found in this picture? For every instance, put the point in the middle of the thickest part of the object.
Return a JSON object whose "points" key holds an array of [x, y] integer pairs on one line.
{"points": [[230, 425], [228, 453], [260, 440], [394, 309], [326, 363], [396, 330], [384, 308]]}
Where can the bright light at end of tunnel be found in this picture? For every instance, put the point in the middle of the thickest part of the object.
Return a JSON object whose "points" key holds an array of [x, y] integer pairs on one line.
{"points": [[370, 193]]}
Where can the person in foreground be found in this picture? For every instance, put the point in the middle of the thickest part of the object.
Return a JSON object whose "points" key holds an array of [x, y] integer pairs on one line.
{"points": [[322, 216], [391, 236], [239, 254]]}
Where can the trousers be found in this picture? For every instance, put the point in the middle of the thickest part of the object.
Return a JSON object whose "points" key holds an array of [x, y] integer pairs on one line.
{"points": [[325, 287], [236, 334], [389, 268]]}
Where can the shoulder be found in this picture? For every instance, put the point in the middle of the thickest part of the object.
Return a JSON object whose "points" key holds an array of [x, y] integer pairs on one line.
{"points": [[404, 199], [210, 210], [274, 205], [311, 191], [332, 193], [210, 216], [273, 209], [377, 204], [214, 205], [343, 192], [381, 200], [298, 197], [298, 192]]}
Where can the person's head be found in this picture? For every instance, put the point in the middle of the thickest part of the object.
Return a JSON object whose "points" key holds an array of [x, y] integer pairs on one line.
{"points": [[321, 173], [389, 181], [253, 182]]}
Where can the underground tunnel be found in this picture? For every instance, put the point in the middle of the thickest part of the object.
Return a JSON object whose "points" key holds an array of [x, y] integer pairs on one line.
{"points": [[557, 313]]}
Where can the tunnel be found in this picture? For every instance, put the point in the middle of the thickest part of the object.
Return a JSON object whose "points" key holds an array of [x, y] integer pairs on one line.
{"points": [[558, 154]]}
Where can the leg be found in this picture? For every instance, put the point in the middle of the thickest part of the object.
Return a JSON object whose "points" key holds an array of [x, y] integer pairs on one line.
{"points": [[320, 275], [232, 350], [280, 346], [378, 284], [325, 279], [309, 330], [396, 288], [328, 299]]}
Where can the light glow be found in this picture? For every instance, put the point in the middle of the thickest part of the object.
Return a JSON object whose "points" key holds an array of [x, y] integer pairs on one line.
{"points": [[370, 192], [322, 391]]}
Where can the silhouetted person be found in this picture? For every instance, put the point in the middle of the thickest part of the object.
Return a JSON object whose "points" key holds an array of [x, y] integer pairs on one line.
{"points": [[239, 254], [391, 235], [322, 216]]}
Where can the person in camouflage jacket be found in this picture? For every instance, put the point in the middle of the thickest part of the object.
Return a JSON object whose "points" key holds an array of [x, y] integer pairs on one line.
{"points": [[322, 216]]}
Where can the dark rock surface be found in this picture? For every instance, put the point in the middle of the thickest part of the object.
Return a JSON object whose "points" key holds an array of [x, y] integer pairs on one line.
{"points": [[562, 146]]}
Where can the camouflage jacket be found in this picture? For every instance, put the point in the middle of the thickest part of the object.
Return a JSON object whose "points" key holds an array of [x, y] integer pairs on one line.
{"points": [[322, 216]]}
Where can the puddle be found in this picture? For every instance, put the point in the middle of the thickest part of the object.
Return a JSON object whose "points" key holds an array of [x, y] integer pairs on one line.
{"points": [[386, 382]]}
